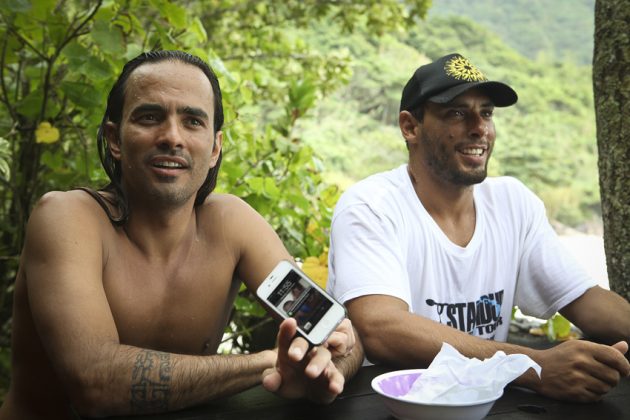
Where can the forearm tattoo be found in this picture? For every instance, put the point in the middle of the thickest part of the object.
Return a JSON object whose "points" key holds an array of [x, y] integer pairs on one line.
{"points": [[151, 382]]}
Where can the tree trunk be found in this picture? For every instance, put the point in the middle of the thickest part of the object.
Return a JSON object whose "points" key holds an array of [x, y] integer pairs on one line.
{"points": [[611, 85]]}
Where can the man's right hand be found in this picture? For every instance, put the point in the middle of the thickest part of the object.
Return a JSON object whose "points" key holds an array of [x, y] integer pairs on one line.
{"points": [[580, 370], [301, 372]]}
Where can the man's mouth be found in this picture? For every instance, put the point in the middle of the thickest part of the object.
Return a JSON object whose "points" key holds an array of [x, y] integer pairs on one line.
{"points": [[168, 164], [472, 151]]}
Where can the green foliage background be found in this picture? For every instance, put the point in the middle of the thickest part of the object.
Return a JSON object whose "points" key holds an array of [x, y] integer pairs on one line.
{"points": [[311, 92], [58, 60], [547, 140]]}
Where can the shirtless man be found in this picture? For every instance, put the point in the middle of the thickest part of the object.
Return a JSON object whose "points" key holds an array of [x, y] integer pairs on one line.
{"points": [[123, 294]]}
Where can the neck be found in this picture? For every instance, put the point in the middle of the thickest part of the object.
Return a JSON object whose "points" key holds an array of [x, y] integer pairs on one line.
{"points": [[161, 234], [451, 206], [440, 198]]}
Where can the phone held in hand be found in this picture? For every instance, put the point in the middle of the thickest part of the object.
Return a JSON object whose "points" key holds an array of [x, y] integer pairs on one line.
{"points": [[289, 293]]}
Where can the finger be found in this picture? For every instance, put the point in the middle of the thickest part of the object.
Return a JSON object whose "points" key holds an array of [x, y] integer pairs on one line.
{"points": [[613, 358], [588, 395], [332, 383], [319, 359], [342, 340], [271, 380], [598, 388], [593, 371], [338, 344], [286, 332], [622, 346], [298, 349], [336, 380], [344, 326]]}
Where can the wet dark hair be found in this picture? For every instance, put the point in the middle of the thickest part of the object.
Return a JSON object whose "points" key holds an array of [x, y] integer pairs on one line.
{"points": [[113, 113]]}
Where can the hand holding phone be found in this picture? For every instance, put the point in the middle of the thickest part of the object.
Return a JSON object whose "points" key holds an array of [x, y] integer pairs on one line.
{"points": [[289, 293], [300, 371]]}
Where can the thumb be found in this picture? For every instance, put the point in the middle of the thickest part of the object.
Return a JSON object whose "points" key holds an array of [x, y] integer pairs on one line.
{"points": [[286, 333], [621, 346]]}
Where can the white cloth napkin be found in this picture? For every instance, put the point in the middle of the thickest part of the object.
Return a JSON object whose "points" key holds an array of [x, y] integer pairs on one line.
{"points": [[454, 378]]}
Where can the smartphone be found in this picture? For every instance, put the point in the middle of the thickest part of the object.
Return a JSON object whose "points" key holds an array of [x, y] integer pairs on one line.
{"points": [[289, 293]]}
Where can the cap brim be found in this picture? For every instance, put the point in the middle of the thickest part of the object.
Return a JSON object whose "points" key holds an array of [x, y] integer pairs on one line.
{"points": [[499, 93]]}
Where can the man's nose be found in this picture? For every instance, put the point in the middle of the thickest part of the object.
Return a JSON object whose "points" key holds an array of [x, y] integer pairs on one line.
{"points": [[478, 126], [170, 136]]}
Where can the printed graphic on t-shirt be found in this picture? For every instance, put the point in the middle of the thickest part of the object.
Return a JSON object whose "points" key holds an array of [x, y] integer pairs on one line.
{"points": [[480, 318]]}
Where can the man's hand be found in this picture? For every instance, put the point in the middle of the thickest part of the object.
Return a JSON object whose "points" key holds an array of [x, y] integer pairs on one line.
{"points": [[300, 372], [581, 371]]}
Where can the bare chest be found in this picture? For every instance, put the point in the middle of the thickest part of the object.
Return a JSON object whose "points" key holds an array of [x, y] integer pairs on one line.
{"points": [[181, 306]]}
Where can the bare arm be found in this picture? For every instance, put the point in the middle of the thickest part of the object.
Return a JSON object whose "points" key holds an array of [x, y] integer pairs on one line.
{"points": [[64, 259], [575, 370], [601, 314]]}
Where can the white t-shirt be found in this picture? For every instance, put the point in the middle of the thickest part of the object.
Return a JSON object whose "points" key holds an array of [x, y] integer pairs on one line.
{"points": [[383, 241]]}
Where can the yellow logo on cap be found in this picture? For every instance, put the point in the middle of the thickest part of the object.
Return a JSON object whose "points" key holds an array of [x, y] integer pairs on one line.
{"points": [[460, 68]]}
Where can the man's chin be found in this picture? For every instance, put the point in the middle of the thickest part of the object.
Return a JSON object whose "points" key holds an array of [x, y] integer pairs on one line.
{"points": [[169, 197], [469, 178]]}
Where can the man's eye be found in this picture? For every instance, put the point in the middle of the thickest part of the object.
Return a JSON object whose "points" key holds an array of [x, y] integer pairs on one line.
{"points": [[195, 122], [147, 117]]}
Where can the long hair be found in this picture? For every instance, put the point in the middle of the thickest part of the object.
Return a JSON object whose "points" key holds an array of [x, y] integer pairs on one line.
{"points": [[113, 113]]}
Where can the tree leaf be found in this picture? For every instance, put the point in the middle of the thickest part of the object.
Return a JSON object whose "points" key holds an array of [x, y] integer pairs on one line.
{"points": [[108, 38], [82, 94], [19, 6]]}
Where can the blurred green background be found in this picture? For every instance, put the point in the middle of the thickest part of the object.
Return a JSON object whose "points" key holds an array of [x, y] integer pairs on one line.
{"points": [[311, 93]]}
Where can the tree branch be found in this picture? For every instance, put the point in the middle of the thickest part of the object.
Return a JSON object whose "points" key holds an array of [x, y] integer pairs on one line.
{"points": [[3, 86], [75, 33], [252, 167], [27, 42]]}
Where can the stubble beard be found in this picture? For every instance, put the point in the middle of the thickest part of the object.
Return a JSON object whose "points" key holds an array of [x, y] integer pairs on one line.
{"points": [[437, 159], [166, 193], [171, 196]]}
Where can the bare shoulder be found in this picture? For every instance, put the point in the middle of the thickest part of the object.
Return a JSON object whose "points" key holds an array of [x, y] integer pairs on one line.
{"points": [[255, 244], [60, 215], [229, 210], [75, 205], [225, 201]]}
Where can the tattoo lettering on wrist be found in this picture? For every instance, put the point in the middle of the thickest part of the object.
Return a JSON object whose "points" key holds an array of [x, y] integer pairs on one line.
{"points": [[151, 382]]}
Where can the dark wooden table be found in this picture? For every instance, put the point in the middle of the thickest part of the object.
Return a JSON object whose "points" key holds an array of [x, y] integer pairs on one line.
{"points": [[360, 402]]}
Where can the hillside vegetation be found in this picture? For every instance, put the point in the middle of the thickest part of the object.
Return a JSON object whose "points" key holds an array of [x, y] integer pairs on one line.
{"points": [[547, 140], [559, 30]]}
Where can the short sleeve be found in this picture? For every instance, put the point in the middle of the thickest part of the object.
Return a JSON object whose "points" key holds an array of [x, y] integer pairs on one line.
{"points": [[366, 256], [549, 276]]}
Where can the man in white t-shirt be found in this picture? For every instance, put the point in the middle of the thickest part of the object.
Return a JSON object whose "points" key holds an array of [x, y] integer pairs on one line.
{"points": [[435, 252]]}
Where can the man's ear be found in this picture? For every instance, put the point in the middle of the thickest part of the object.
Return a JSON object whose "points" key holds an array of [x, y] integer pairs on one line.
{"points": [[113, 139], [216, 148], [409, 127]]}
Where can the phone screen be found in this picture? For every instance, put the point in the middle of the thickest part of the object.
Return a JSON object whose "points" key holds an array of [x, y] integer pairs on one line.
{"points": [[298, 299]]}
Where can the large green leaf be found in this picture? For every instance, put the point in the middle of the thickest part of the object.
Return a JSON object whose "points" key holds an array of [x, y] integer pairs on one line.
{"points": [[108, 38], [82, 94]]}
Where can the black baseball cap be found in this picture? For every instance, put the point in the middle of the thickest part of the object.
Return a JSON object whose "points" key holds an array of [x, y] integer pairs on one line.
{"points": [[450, 76]]}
